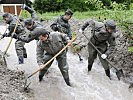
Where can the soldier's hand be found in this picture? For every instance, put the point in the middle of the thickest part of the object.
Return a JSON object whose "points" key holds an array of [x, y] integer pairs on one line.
{"points": [[69, 42], [80, 30], [41, 66], [23, 6], [104, 56]]}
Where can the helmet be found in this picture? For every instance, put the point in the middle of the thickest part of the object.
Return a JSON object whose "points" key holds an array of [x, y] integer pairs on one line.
{"points": [[69, 12], [110, 24], [28, 22]]}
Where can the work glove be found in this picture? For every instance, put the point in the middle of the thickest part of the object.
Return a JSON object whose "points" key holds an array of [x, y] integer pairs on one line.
{"points": [[104, 56], [80, 30]]}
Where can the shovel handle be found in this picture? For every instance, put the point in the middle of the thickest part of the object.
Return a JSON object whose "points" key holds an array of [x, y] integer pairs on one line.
{"points": [[13, 34], [52, 58]]}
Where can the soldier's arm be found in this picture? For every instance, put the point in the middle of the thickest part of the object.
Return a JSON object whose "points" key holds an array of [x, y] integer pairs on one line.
{"points": [[90, 23], [32, 12], [65, 38], [9, 34], [69, 34], [112, 44], [11, 29], [54, 26], [33, 35], [39, 54], [26, 38]]}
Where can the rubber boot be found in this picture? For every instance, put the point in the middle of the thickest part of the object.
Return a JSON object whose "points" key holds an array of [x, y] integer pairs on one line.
{"points": [[20, 59], [67, 81], [108, 73], [89, 67], [25, 55], [40, 78]]}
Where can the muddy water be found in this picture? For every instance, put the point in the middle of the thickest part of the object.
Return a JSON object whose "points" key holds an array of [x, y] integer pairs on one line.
{"points": [[86, 86]]}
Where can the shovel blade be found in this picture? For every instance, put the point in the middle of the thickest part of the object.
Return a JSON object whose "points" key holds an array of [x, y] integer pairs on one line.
{"points": [[4, 59], [119, 74], [26, 85]]}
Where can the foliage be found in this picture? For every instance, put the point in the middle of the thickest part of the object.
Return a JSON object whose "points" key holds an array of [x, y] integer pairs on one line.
{"points": [[0, 17], [116, 6], [81, 5], [94, 4], [130, 49]]}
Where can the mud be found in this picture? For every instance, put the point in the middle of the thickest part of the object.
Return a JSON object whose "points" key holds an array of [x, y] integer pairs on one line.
{"points": [[11, 83]]}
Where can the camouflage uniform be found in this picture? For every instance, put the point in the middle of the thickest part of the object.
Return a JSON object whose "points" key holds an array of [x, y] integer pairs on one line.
{"points": [[62, 25], [52, 46], [100, 38], [36, 26], [19, 45]]}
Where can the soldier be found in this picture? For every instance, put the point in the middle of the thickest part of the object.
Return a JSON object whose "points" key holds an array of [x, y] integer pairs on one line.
{"points": [[32, 25], [62, 25], [102, 33], [19, 45], [51, 44]]}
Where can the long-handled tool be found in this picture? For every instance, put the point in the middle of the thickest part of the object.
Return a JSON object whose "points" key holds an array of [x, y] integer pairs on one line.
{"points": [[80, 58], [119, 73], [11, 39], [40, 68]]}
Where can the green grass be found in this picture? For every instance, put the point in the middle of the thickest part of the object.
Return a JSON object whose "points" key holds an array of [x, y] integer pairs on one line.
{"points": [[0, 17], [130, 49], [119, 16]]}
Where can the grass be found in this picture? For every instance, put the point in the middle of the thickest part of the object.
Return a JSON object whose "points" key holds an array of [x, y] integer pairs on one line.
{"points": [[130, 49], [0, 17]]}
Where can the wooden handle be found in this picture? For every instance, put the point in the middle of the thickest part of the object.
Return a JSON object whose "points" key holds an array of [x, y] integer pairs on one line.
{"points": [[12, 34], [52, 58]]}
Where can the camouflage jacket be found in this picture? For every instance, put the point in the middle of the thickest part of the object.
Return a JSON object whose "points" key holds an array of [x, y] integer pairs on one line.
{"points": [[33, 34], [12, 23], [51, 46], [62, 25], [100, 36]]}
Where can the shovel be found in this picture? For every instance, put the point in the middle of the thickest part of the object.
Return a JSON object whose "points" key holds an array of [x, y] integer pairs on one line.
{"points": [[3, 56], [119, 73], [40, 68]]}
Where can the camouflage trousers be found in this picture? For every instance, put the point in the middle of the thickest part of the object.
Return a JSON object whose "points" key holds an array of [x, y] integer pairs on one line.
{"points": [[20, 49], [62, 64], [93, 54]]}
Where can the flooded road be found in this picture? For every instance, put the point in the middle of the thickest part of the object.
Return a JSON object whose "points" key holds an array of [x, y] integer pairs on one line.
{"points": [[85, 86]]}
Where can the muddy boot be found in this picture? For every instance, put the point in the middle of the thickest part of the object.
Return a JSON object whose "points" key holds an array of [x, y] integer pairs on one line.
{"points": [[89, 67], [108, 73], [20, 59], [40, 78], [67, 81], [25, 55]]}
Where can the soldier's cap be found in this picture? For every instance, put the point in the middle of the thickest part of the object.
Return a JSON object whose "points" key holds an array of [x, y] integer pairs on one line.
{"points": [[110, 24], [28, 22], [69, 12], [6, 15]]}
